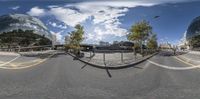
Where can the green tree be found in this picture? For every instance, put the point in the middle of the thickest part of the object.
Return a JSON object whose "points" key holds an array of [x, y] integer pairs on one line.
{"points": [[139, 33], [22, 38], [1, 43], [76, 37], [152, 42]]}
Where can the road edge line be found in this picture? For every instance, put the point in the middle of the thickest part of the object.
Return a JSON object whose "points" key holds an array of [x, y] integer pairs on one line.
{"points": [[10, 61], [17, 68], [183, 61]]}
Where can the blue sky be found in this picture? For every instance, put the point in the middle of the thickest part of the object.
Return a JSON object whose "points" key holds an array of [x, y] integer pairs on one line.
{"points": [[109, 20]]}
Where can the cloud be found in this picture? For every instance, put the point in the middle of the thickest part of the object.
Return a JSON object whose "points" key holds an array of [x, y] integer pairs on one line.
{"points": [[58, 35], [104, 15], [36, 11], [183, 39], [116, 4], [15, 7], [56, 25], [68, 16]]}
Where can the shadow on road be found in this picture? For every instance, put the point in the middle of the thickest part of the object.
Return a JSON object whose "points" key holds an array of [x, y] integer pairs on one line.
{"points": [[58, 54], [109, 75]]}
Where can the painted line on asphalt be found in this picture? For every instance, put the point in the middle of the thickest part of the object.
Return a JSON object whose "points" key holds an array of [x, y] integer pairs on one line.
{"points": [[187, 59], [10, 61], [173, 68], [22, 63], [147, 64], [39, 62], [185, 62], [19, 63], [28, 62]]}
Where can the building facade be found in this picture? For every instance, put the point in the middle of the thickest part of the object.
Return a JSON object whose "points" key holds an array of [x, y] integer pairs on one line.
{"points": [[23, 30], [193, 34]]}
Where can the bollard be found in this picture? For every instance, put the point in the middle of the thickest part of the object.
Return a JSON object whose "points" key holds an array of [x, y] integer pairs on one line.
{"points": [[104, 58], [122, 56]]}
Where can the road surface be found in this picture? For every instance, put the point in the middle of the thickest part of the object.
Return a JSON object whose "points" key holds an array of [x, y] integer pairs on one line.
{"points": [[61, 77]]}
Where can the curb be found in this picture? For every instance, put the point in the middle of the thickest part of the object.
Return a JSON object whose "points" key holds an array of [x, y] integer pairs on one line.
{"points": [[35, 53], [118, 67], [9, 53]]}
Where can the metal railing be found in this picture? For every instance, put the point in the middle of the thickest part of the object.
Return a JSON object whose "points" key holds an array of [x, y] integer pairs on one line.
{"points": [[115, 56]]}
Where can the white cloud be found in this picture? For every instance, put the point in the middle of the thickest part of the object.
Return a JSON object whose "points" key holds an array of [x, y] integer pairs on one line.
{"points": [[58, 35], [104, 15], [53, 24], [183, 39], [116, 4], [36, 11], [68, 16], [15, 7]]}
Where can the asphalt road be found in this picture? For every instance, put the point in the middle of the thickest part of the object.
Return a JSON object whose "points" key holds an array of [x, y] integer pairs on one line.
{"points": [[61, 77]]}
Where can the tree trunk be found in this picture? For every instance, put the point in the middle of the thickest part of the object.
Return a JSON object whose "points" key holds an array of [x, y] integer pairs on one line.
{"points": [[141, 48]]}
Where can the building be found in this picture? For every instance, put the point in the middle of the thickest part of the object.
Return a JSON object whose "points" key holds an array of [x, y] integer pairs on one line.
{"points": [[164, 46], [123, 45], [193, 34], [115, 42], [102, 43], [23, 30]]}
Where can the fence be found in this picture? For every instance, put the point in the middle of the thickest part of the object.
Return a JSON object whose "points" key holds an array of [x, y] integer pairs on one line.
{"points": [[113, 57]]}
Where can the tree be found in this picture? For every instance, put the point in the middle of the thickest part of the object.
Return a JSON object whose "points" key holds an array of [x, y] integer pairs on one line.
{"points": [[1, 43], [152, 42], [139, 33], [76, 37], [173, 48], [23, 38]]}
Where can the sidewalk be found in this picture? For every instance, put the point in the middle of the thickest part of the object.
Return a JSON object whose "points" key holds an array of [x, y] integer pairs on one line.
{"points": [[8, 53], [192, 57], [111, 59], [113, 64], [35, 53]]}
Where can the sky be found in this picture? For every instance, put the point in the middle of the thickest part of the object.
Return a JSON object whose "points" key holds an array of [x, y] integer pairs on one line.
{"points": [[109, 20]]}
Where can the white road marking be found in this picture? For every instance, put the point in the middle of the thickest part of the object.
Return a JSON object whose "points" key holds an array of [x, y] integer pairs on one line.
{"points": [[173, 68], [23, 67], [183, 61], [188, 60], [10, 61]]}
